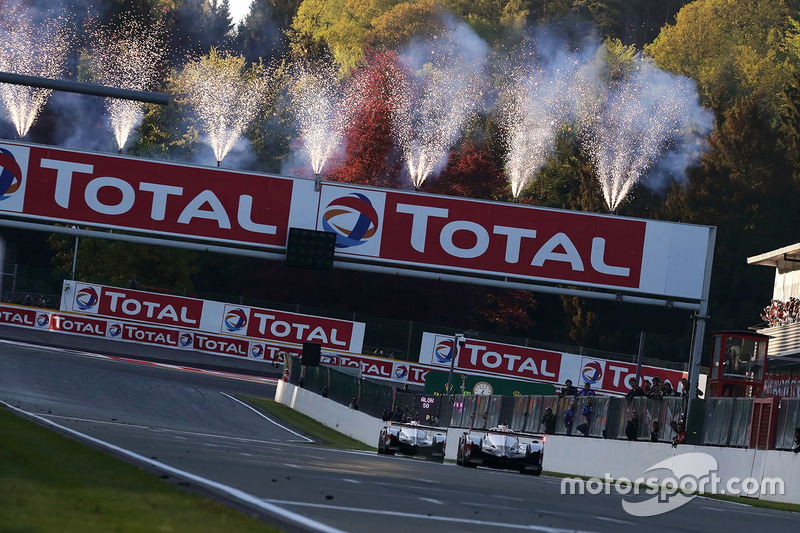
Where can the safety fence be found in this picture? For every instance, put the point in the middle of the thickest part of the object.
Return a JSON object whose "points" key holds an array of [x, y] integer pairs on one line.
{"points": [[726, 420]]}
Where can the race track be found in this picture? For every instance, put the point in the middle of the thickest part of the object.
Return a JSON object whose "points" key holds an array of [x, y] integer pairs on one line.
{"points": [[191, 426]]}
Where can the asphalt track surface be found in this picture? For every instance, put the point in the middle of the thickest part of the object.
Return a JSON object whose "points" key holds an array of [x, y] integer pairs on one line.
{"points": [[190, 426]]}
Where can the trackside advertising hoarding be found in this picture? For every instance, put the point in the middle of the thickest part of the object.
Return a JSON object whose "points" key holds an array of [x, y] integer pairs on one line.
{"points": [[383, 229], [543, 366], [182, 339], [211, 317]]}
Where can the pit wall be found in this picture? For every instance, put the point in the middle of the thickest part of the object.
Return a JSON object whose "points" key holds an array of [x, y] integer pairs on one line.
{"points": [[581, 456]]}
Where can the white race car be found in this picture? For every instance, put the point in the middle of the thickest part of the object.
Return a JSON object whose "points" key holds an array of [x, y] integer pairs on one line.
{"points": [[499, 447], [412, 439]]}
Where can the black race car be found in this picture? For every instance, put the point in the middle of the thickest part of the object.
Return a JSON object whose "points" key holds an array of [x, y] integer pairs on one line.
{"points": [[500, 448], [412, 439]]}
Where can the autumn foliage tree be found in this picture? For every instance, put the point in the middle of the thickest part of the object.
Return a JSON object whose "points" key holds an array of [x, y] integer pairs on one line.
{"points": [[371, 156], [471, 172]]}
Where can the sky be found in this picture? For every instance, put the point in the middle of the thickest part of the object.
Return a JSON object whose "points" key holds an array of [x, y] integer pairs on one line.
{"points": [[239, 9]]}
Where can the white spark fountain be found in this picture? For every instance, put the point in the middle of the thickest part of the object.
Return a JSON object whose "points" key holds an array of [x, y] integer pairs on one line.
{"points": [[322, 110], [646, 114], [225, 95], [435, 101], [130, 56], [31, 48], [535, 107]]}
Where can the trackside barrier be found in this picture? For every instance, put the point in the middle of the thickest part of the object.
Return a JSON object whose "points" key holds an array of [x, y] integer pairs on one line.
{"points": [[579, 456], [788, 420]]}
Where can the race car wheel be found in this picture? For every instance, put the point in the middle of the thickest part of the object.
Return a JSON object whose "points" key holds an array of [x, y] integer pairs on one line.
{"points": [[381, 444]]}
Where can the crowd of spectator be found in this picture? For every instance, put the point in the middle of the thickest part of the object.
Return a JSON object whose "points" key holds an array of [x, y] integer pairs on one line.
{"points": [[779, 313]]}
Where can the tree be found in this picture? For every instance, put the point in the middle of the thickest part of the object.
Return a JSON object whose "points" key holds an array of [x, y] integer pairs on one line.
{"points": [[108, 261], [404, 22], [731, 48], [340, 26], [371, 156], [471, 173], [745, 188], [198, 25], [262, 32]]}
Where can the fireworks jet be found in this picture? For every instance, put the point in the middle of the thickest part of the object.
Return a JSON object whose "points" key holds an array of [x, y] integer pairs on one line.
{"points": [[648, 115], [130, 56], [32, 49], [441, 91], [535, 106], [322, 109], [225, 96]]}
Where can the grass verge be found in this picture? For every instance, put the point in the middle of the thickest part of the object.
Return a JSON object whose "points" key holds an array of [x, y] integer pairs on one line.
{"points": [[49, 482], [307, 425]]}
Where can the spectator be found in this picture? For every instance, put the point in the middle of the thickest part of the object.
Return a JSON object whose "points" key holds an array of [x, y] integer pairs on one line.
{"points": [[132, 283], [654, 433], [387, 415], [655, 390], [685, 389], [325, 391], [586, 411], [41, 302], [635, 392], [28, 300], [568, 391], [354, 404], [796, 447], [549, 422], [569, 417], [632, 428], [666, 389], [680, 437], [301, 382], [586, 391]]}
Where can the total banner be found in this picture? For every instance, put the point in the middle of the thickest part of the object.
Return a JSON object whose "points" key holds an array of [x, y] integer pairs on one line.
{"points": [[533, 364], [376, 229], [468, 236], [211, 317], [225, 345], [166, 198]]}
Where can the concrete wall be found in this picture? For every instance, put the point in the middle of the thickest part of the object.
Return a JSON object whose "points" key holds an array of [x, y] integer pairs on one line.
{"points": [[582, 456], [354, 424]]}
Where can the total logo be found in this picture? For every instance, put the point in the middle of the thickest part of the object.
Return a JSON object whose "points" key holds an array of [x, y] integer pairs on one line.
{"points": [[444, 351], [43, 320], [352, 218], [257, 351], [592, 372], [10, 175], [114, 330], [235, 319], [400, 372], [185, 340], [86, 298]]}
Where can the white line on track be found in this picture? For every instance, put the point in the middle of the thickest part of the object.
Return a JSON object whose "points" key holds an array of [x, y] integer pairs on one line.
{"points": [[491, 506], [355, 481], [262, 415], [212, 485], [455, 520], [432, 500], [613, 520], [511, 498]]}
